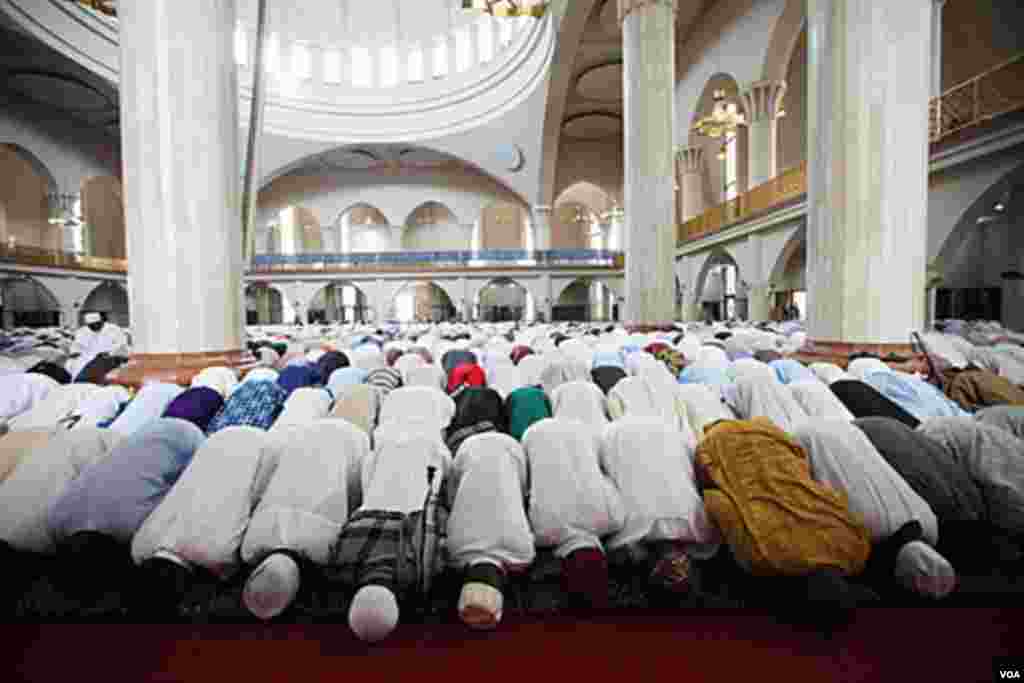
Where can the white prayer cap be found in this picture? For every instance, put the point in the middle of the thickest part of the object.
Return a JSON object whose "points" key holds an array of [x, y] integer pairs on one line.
{"points": [[91, 318], [373, 614], [272, 587]]}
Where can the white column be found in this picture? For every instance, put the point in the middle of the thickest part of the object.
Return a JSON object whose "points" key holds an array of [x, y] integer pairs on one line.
{"points": [[547, 303], [648, 42], [936, 77], [762, 101], [180, 150], [690, 175], [542, 228], [867, 168]]}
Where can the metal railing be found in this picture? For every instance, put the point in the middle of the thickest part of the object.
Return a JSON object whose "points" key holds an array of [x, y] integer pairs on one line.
{"points": [[54, 258], [436, 260], [764, 198], [996, 92]]}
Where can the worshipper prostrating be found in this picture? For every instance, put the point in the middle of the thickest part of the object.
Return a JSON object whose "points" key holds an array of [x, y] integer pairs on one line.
{"points": [[98, 513], [525, 407], [489, 536], [1008, 418], [572, 506], [387, 552], [94, 338], [862, 400], [903, 526], [665, 520]]}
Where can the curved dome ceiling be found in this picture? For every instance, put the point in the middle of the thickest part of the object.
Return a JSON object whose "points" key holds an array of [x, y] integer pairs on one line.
{"points": [[602, 83], [59, 91], [593, 126]]}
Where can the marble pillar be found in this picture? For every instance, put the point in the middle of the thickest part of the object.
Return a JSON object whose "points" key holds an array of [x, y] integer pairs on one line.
{"points": [[547, 302], [762, 102], [936, 43], [690, 175], [180, 152], [759, 302], [264, 308], [542, 228], [648, 46], [868, 87]]}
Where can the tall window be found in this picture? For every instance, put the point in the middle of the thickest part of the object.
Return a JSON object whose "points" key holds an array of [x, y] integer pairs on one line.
{"points": [[362, 68], [302, 62], [485, 37], [731, 168], [415, 66], [440, 57], [389, 66], [463, 50], [332, 66]]}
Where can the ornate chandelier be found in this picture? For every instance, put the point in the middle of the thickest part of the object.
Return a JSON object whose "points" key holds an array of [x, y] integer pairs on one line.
{"points": [[108, 7], [725, 118], [507, 8]]}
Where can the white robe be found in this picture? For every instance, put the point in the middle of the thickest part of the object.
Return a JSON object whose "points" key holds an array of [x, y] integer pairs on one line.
{"points": [[203, 518], [394, 476], [101, 406], [58, 404], [829, 372], [580, 401], [704, 406], [504, 377], [750, 367], [751, 397], [305, 406], [39, 480], [311, 493], [818, 401], [652, 396], [424, 376], [486, 488], [572, 503], [532, 367], [654, 476], [841, 454], [21, 392], [423, 408], [88, 344]]}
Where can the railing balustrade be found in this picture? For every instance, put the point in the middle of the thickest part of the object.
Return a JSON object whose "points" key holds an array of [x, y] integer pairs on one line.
{"points": [[434, 260]]}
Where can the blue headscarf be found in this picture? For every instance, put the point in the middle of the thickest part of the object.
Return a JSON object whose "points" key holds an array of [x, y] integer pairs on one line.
{"points": [[197, 405], [298, 376], [149, 404], [789, 371], [256, 404]]}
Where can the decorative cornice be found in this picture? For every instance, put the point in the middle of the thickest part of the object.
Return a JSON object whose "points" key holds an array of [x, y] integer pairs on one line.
{"points": [[763, 100], [627, 6]]}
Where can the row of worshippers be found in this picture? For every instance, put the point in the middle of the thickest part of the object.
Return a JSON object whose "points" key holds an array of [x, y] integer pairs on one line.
{"points": [[589, 513]]}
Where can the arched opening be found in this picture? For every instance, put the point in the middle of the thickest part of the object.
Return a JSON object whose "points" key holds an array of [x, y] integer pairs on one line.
{"points": [[339, 302], [981, 264], [583, 219], [421, 302], [296, 230], [264, 305], [24, 212], [792, 128], [364, 228], [585, 300], [725, 167], [103, 231], [25, 302], [502, 225], [716, 288], [432, 226], [110, 299], [790, 286], [504, 300]]}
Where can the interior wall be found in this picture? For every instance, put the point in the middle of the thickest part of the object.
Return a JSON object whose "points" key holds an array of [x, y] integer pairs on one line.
{"points": [[437, 237], [103, 213], [714, 168], [792, 149], [23, 211], [977, 36], [502, 226], [599, 162], [566, 231]]}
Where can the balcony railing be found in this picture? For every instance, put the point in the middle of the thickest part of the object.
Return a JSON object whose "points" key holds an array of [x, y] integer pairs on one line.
{"points": [[400, 261], [996, 92], [777, 192], [54, 258]]}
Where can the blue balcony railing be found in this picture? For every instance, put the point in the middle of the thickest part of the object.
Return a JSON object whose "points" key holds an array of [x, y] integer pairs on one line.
{"points": [[390, 260]]}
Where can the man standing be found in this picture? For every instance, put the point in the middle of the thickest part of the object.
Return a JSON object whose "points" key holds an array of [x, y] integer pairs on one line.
{"points": [[94, 338]]}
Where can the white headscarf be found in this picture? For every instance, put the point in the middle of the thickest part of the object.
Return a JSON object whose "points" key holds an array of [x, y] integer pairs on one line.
{"points": [[488, 521], [752, 397], [652, 396], [425, 376], [20, 393], [581, 401], [305, 406], [572, 504], [704, 406], [532, 367], [817, 400], [394, 476], [311, 493], [38, 481], [203, 518], [416, 408], [860, 368], [101, 406], [829, 372], [58, 404], [842, 455], [654, 476]]}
